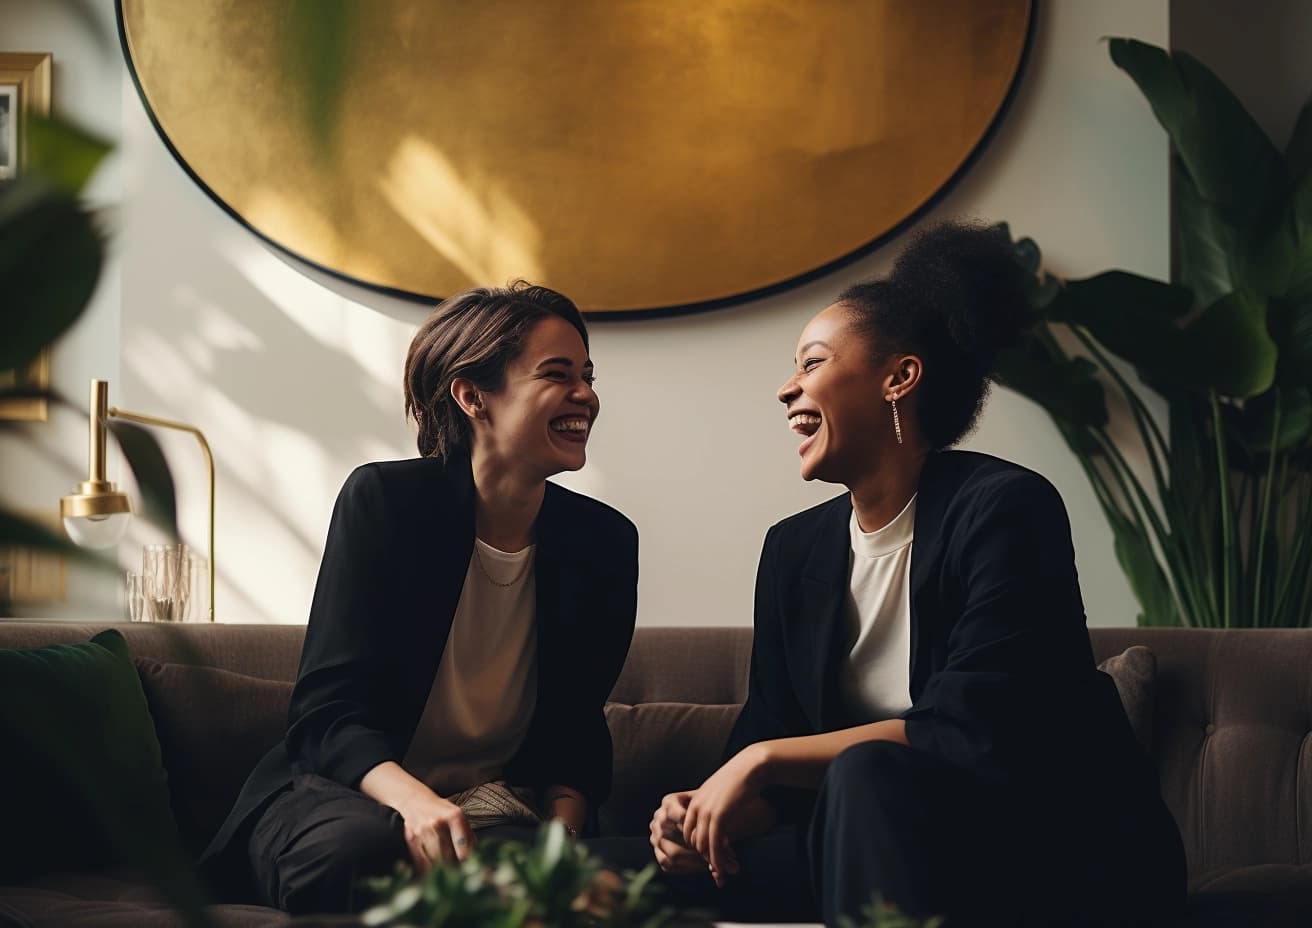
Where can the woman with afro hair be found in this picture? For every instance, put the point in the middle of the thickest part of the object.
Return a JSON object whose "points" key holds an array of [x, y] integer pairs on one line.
{"points": [[925, 720]]}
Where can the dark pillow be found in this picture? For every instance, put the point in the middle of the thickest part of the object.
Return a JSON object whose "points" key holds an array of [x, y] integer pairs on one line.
{"points": [[660, 747], [1134, 671], [214, 726], [82, 780]]}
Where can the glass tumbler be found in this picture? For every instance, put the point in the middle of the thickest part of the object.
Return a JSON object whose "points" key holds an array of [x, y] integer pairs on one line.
{"points": [[165, 582], [198, 583], [134, 597]]}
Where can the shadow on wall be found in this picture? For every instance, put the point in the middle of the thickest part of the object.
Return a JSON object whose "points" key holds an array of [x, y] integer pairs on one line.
{"points": [[293, 385]]}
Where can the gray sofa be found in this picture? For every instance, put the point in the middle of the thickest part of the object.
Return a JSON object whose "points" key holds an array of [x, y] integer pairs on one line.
{"points": [[1231, 733]]}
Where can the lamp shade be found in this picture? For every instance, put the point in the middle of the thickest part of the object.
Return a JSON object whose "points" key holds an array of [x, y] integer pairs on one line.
{"points": [[97, 531], [97, 515]]}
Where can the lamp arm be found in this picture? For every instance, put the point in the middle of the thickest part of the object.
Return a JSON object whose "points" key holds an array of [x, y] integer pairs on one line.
{"points": [[129, 416]]}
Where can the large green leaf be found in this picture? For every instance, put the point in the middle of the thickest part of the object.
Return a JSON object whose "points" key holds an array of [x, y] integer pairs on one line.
{"points": [[1290, 323], [16, 530], [155, 481], [1208, 243], [1253, 427], [62, 153], [1225, 347], [1302, 207], [50, 258], [1124, 311], [1230, 159], [1298, 153], [1066, 388]]}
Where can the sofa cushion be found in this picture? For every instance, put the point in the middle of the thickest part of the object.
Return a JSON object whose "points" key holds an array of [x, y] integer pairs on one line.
{"points": [[213, 726], [1134, 671], [114, 900], [660, 747], [83, 780], [1265, 895]]}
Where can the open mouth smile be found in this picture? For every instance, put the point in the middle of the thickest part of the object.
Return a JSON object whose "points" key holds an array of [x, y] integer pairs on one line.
{"points": [[572, 428], [806, 424]]}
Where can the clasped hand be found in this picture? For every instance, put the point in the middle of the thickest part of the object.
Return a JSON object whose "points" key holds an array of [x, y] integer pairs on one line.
{"points": [[694, 830]]}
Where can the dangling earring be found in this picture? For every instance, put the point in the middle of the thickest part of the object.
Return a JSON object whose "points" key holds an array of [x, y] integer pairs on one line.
{"points": [[897, 423]]}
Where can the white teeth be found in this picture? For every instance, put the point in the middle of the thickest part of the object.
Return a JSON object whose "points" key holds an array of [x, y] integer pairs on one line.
{"points": [[570, 425], [804, 418]]}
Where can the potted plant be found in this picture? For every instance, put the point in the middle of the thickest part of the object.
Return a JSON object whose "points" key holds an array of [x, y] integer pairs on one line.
{"points": [[1218, 530]]}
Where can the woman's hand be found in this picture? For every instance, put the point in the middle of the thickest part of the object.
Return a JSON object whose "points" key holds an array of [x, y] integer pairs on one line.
{"points": [[567, 805], [435, 830], [724, 808], [667, 843]]}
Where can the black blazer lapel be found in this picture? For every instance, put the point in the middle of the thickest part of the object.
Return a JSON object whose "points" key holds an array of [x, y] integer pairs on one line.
{"points": [[816, 641], [438, 546], [550, 535], [932, 499]]}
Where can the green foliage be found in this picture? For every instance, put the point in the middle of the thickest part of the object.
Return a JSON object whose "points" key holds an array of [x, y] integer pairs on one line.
{"points": [[51, 255], [50, 258], [1221, 535], [318, 43], [554, 883], [881, 914]]}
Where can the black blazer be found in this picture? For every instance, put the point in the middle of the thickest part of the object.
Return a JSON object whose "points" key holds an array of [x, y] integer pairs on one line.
{"points": [[1003, 680], [393, 568]]}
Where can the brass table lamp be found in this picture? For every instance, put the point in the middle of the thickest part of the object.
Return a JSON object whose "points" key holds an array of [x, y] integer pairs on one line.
{"points": [[97, 515]]}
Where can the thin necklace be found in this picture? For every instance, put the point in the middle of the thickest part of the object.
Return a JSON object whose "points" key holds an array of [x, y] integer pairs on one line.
{"points": [[492, 580]]}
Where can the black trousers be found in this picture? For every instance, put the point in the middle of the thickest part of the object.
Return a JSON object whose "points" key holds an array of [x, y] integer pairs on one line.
{"points": [[936, 840], [317, 840], [773, 885], [314, 844]]}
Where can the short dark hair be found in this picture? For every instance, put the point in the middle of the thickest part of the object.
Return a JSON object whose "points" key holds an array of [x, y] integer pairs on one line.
{"points": [[474, 334], [956, 297]]}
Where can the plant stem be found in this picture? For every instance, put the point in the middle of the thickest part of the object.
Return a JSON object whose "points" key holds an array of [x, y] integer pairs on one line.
{"points": [[1180, 566], [1136, 404], [1266, 513], [1227, 517], [1121, 471]]}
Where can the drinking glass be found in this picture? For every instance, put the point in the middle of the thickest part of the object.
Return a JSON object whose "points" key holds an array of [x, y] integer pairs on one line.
{"points": [[198, 585], [166, 582], [134, 597]]}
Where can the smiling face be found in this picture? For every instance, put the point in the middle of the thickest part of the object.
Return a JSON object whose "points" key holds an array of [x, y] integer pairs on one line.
{"points": [[836, 399], [538, 421]]}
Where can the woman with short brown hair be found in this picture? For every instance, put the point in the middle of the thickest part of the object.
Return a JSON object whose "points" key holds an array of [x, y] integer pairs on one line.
{"points": [[469, 621]]}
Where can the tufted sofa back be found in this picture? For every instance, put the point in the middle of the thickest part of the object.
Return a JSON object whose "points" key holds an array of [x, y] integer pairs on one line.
{"points": [[1232, 738], [1232, 725]]}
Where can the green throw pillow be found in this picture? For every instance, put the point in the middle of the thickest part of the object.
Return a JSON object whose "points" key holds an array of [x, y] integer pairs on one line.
{"points": [[82, 779]]}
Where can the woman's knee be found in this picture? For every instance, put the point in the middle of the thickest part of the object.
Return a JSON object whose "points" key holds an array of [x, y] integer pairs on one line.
{"points": [[321, 871], [868, 763], [320, 856]]}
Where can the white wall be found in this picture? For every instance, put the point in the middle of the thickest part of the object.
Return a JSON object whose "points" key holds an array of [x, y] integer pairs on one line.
{"points": [[295, 378]]}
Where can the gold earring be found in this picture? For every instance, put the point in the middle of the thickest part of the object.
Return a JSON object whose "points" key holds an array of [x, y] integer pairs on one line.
{"points": [[897, 423]]}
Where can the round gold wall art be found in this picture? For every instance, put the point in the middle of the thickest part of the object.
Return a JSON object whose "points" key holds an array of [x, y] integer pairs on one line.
{"points": [[638, 155]]}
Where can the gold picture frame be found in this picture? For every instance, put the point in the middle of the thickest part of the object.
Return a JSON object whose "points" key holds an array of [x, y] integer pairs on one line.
{"points": [[25, 82]]}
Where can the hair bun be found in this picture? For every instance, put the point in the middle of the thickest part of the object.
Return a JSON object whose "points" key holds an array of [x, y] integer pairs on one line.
{"points": [[968, 276]]}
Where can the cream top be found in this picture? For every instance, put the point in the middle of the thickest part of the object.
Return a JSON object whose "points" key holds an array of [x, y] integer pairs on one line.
{"points": [[483, 697], [875, 680]]}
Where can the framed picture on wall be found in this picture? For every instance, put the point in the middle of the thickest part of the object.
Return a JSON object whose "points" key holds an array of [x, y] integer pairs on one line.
{"points": [[24, 92], [8, 132]]}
